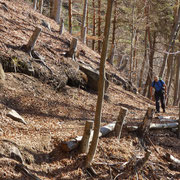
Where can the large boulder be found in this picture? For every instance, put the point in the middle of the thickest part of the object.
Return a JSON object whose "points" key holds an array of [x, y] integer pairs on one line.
{"points": [[93, 77]]}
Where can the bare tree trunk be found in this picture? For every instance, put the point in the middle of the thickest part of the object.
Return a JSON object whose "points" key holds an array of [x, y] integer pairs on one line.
{"points": [[170, 81], [171, 45], [94, 24], [35, 4], [114, 22], [41, 2], [132, 42], [51, 8], [151, 57], [84, 20], [110, 58], [97, 121], [87, 25], [177, 81], [84, 35], [99, 26], [146, 13], [57, 10], [70, 16]]}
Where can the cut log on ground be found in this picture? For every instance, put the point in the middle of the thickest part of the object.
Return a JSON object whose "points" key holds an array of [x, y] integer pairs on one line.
{"points": [[163, 126], [74, 143], [120, 122], [154, 126], [171, 158]]}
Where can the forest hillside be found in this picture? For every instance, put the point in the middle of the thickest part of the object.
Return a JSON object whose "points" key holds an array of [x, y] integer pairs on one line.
{"points": [[45, 100]]}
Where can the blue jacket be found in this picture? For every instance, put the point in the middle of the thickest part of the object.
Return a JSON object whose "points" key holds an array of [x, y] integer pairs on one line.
{"points": [[158, 85]]}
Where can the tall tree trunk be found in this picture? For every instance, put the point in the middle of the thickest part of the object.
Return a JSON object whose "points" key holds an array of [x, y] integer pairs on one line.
{"points": [[70, 16], [87, 25], [57, 10], [114, 22], [99, 26], [177, 81], [51, 8], [41, 2], [151, 57], [170, 81], [94, 24], [97, 121], [84, 19], [146, 13], [35, 4], [132, 42]]}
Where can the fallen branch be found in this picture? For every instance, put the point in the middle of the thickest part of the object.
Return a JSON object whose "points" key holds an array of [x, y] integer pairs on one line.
{"points": [[171, 158], [21, 168], [74, 143]]}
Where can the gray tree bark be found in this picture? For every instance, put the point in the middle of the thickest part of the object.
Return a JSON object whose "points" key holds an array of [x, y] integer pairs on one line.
{"points": [[177, 81], [84, 20], [57, 7], [97, 121], [41, 2], [35, 4]]}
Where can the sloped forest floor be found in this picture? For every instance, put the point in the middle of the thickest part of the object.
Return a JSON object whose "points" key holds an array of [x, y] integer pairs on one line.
{"points": [[55, 116]]}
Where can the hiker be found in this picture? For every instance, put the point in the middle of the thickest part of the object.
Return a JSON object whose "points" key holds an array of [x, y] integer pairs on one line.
{"points": [[160, 93]]}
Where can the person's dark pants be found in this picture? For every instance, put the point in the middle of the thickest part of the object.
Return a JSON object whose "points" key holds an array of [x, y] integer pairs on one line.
{"points": [[159, 95]]}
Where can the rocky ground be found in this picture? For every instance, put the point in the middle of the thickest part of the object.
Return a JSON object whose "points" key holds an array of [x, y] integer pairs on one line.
{"points": [[53, 116]]}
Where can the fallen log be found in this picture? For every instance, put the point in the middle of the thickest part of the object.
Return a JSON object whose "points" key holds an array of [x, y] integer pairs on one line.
{"points": [[171, 158], [154, 126], [163, 126], [74, 143]]}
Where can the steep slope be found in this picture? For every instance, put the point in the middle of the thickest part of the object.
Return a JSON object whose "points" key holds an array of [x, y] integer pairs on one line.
{"points": [[56, 116]]}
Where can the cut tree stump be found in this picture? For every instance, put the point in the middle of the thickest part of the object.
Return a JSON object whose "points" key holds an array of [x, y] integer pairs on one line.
{"points": [[145, 126], [32, 41], [74, 143], [120, 122], [73, 48], [87, 137], [61, 27]]}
